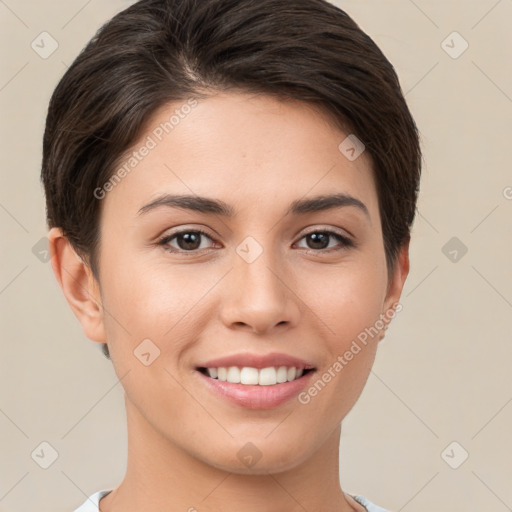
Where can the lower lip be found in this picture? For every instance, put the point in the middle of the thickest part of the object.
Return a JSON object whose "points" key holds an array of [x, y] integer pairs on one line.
{"points": [[258, 397]]}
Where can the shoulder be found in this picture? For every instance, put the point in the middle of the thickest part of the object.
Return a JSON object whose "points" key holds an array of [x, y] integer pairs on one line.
{"points": [[91, 503], [370, 507]]}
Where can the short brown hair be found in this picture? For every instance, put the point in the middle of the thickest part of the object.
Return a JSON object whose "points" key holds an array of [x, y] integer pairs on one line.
{"points": [[158, 51]]}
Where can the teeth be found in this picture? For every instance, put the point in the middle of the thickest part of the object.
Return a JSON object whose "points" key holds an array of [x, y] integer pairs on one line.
{"points": [[282, 374], [249, 376], [233, 375], [268, 377], [253, 376]]}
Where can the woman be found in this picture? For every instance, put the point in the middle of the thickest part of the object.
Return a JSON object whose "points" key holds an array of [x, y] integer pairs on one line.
{"points": [[230, 190]]}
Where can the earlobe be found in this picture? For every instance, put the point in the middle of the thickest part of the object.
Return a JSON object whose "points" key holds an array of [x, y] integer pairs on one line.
{"points": [[78, 284]]}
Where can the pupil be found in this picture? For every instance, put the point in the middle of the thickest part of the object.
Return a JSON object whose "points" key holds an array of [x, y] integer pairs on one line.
{"points": [[320, 239], [191, 241]]}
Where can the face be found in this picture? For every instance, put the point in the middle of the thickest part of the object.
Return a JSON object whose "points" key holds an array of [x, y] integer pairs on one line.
{"points": [[251, 273]]}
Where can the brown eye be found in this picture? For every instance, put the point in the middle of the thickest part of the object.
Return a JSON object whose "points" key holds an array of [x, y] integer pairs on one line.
{"points": [[186, 241], [320, 241], [189, 241]]}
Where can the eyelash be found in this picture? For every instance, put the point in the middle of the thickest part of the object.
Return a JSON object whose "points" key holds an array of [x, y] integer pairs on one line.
{"points": [[344, 241]]}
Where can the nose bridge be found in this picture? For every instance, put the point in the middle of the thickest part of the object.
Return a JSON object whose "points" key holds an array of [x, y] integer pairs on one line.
{"points": [[257, 296], [261, 282]]}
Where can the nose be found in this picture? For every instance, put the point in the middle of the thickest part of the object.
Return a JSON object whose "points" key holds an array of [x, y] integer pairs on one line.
{"points": [[259, 296]]}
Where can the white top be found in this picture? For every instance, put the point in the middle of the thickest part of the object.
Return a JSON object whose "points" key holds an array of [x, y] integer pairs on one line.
{"points": [[91, 503]]}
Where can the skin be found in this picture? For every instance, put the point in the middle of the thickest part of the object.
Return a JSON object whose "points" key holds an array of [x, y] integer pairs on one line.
{"points": [[258, 155]]}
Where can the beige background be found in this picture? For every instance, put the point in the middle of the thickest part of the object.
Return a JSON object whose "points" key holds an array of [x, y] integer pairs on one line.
{"points": [[442, 374]]}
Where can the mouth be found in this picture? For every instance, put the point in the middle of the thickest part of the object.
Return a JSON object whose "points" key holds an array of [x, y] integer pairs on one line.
{"points": [[251, 376], [254, 388], [256, 381]]}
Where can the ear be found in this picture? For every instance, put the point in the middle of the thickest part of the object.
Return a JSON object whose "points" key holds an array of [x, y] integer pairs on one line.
{"points": [[396, 282], [78, 284]]}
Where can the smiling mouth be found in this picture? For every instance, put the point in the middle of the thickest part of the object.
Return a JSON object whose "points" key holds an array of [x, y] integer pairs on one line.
{"points": [[250, 376]]}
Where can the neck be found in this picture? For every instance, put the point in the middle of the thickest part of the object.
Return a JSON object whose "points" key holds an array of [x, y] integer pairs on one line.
{"points": [[160, 474]]}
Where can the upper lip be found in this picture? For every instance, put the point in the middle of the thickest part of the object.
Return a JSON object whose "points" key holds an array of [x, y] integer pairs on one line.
{"points": [[257, 361]]}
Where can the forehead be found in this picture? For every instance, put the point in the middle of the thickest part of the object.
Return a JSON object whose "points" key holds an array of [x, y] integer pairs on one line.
{"points": [[242, 148]]}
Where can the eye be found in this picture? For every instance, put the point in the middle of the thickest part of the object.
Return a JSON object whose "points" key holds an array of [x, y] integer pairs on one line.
{"points": [[190, 240], [320, 241], [187, 241]]}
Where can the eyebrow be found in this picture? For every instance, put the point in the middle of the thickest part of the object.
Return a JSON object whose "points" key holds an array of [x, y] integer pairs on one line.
{"points": [[218, 207]]}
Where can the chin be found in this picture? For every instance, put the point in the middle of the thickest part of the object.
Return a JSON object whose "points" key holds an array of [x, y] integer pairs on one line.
{"points": [[259, 457]]}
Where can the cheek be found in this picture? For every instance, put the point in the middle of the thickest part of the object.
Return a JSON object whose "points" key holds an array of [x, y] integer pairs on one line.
{"points": [[154, 299], [347, 308], [347, 299], [152, 315]]}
